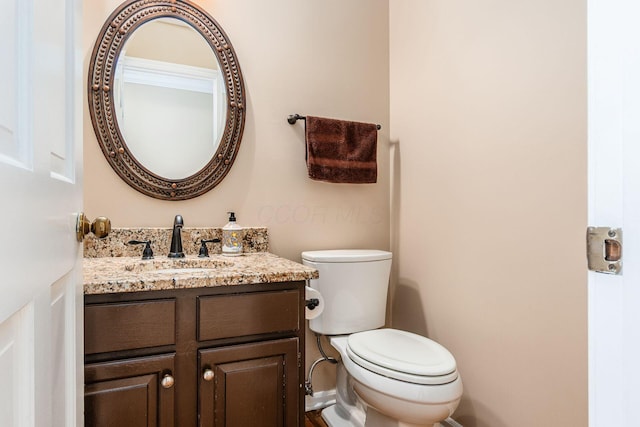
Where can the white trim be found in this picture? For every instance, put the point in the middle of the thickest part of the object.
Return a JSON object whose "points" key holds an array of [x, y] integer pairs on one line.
{"points": [[613, 105], [450, 422], [167, 74], [24, 368], [320, 400]]}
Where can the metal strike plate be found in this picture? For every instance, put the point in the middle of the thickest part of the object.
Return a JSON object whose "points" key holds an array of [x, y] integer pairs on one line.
{"points": [[604, 249]]}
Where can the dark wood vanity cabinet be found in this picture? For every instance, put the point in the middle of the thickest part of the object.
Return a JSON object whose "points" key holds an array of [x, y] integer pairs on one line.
{"points": [[227, 356]]}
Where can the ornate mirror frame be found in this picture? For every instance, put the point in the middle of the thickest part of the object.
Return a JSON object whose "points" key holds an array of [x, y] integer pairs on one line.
{"points": [[114, 34]]}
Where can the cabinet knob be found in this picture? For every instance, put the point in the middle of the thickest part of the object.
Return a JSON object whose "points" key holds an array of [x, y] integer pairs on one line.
{"points": [[167, 381], [208, 375]]}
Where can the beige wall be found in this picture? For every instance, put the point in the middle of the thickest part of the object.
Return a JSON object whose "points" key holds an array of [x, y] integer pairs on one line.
{"points": [[320, 58], [488, 102], [325, 58]]}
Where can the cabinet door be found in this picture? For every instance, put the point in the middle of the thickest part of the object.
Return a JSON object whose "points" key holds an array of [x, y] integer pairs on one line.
{"points": [[131, 392], [253, 385]]}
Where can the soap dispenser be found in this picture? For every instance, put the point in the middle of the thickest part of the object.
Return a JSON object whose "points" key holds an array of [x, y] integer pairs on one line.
{"points": [[232, 237]]}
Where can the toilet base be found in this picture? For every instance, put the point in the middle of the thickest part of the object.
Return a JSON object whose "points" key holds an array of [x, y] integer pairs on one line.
{"points": [[335, 417], [347, 411]]}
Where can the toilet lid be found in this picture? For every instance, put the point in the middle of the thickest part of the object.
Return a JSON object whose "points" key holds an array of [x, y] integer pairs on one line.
{"points": [[403, 356]]}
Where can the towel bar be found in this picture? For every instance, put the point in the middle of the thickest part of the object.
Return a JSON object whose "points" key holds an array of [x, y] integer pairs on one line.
{"points": [[292, 119]]}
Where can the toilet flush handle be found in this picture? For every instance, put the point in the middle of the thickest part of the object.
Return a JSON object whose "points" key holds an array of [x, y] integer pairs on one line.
{"points": [[312, 303]]}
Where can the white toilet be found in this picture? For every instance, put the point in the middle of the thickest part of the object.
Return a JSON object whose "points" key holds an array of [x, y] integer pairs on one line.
{"points": [[387, 377]]}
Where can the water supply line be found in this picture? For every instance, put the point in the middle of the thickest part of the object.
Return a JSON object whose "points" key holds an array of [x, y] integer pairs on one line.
{"points": [[308, 388]]}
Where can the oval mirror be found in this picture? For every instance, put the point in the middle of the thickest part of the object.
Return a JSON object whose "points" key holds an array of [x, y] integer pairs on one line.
{"points": [[166, 98]]}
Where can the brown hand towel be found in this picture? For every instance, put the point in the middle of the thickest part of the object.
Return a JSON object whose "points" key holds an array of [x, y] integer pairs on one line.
{"points": [[341, 151]]}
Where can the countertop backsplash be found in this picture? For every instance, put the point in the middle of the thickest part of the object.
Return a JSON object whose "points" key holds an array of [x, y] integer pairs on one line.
{"points": [[255, 239]]}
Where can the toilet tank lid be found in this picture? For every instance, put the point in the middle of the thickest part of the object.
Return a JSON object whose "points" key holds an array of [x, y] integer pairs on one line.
{"points": [[346, 255]]}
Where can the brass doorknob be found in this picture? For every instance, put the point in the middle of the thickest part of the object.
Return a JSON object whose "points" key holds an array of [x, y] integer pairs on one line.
{"points": [[208, 375], [168, 381], [101, 227]]}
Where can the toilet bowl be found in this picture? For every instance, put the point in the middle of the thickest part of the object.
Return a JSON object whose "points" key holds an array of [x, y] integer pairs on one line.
{"points": [[386, 377], [400, 398]]}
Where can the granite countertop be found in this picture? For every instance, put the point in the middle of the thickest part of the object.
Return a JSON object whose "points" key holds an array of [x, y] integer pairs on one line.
{"points": [[106, 275]]}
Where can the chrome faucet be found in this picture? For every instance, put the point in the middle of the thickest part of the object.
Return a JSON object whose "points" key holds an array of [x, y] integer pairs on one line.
{"points": [[176, 238]]}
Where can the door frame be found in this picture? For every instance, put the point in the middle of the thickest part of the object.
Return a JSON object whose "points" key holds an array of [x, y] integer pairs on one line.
{"points": [[613, 134]]}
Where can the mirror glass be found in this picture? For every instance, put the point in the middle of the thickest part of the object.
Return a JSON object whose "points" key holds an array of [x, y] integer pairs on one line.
{"points": [[166, 98], [169, 98]]}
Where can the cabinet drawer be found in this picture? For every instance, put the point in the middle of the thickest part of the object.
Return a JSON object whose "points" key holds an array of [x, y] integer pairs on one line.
{"points": [[126, 326], [228, 316]]}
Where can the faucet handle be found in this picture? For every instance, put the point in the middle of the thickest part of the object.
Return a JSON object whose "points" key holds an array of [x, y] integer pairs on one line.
{"points": [[204, 252], [147, 252]]}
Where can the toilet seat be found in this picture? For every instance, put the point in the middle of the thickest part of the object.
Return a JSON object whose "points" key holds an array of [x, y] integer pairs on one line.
{"points": [[403, 356]]}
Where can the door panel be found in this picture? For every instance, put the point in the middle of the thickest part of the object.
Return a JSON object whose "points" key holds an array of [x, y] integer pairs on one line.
{"points": [[126, 401], [16, 360], [253, 384], [40, 155], [129, 393], [40, 219], [14, 105], [260, 380]]}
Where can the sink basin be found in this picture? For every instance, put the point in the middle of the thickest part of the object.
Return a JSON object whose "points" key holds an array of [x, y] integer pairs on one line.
{"points": [[179, 265]]}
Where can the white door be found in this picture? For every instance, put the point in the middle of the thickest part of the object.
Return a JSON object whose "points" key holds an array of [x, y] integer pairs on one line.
{"points": [[614, 200], [40, 171]]}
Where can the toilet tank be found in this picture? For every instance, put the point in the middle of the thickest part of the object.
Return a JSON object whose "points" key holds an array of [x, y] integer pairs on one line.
{"points": [[354, 285]]}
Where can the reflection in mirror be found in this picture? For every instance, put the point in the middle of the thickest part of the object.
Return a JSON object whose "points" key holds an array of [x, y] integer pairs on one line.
{"points": [[169, 97]]}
